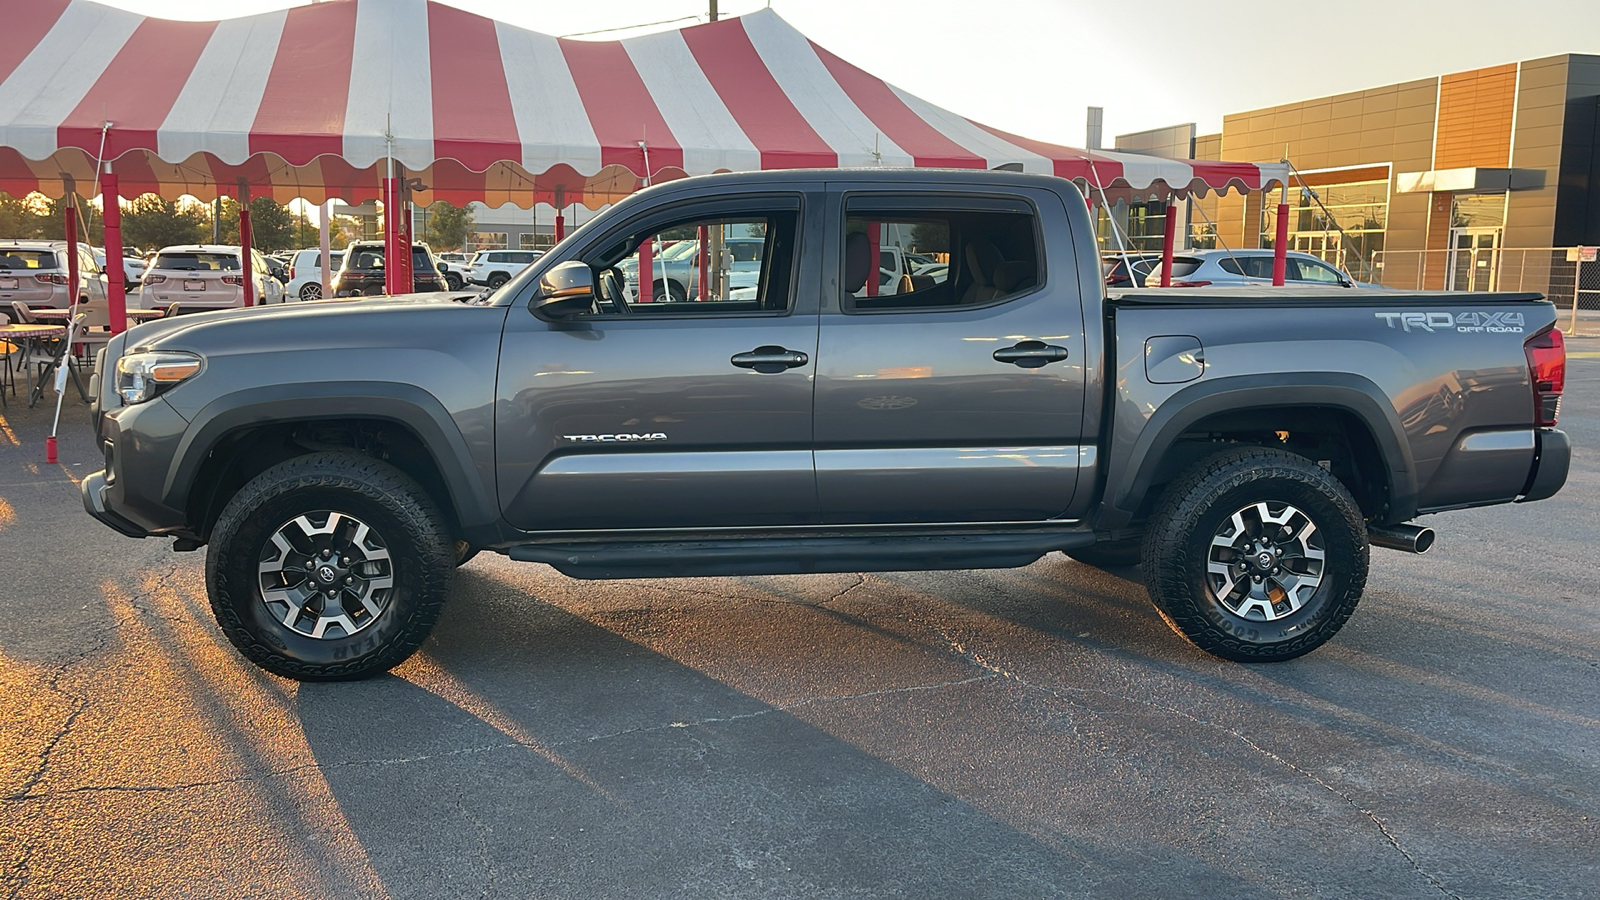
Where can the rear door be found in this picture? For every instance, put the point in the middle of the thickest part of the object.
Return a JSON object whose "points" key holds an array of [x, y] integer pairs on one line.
{"points": [[963, 399], [668, 415]]}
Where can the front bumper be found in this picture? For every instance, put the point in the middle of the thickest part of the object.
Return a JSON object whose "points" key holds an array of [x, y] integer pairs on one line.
{"points": [[94, 503], [1550, 468]]}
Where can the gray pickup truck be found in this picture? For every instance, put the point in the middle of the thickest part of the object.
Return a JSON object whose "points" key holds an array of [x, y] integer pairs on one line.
{"points": [[342, 457]]}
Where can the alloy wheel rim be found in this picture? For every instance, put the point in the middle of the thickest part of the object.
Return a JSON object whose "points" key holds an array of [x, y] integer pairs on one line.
{"points": [[326, 575], [1265, 561]]}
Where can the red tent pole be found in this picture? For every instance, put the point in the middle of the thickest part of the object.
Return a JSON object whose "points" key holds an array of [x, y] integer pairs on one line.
{"points": [[406, 275], [245, 263], [391, 238], [72, 251], [1166, 248], [647, 271], [1280, 246], [561, 225], [116, 286], [705, 264], [874, 235]]}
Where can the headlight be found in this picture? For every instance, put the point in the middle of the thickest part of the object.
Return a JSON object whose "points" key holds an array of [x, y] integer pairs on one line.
{"points": [[142, 376]]}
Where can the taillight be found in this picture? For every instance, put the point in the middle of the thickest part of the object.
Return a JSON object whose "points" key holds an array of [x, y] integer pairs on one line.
{"points": [[233, 279], [154, 279], [51, 278], [1191, 284], [1547, 369], [291, 273]]}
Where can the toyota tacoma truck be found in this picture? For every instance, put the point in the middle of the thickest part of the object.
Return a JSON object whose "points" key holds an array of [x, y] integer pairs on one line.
{"points": [[1246, 447]]}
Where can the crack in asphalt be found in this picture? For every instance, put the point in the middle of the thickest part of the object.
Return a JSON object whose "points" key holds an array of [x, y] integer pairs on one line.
{"points": [[861, 579], [1056, 692], [293, 771]]}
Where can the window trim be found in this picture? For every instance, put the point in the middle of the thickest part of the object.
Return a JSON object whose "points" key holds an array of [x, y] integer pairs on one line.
{"points": [[662, 217], [923, 201]]}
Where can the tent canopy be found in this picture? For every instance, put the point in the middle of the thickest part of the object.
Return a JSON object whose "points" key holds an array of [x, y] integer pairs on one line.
{"points": [[310, 102]]}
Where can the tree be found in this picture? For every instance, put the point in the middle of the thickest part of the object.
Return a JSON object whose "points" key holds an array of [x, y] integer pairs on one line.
{"points": [[448, 226], [152, 223], [271, 224], [21, 217]]}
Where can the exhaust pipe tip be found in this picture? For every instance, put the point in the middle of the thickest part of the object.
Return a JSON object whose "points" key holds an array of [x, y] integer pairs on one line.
{"points": [[1408, 538]]}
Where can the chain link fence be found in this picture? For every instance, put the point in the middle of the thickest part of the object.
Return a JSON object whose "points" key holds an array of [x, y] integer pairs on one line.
{"points": [[1560, 273]]}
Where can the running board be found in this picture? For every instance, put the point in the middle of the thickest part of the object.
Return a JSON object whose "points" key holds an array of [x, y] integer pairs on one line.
{"points": [[799, 556]]}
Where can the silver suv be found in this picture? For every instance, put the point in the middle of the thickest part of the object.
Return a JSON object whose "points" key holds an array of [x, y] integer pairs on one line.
{"points": [[1236, 268], [205, 276], [35, 272]]}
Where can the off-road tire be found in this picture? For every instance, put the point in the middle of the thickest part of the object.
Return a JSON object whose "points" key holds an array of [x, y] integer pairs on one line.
{"points": [[422, 554], [1200, 503], [453, 281], [498, 279], [1110, 554]]}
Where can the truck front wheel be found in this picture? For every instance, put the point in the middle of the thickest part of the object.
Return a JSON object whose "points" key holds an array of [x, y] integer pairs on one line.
{"points": [[327, 567], [1256, 555]]}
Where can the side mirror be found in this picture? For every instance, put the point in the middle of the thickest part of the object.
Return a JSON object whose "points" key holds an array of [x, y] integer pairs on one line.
{"points": [[443, 269], [565, 291]]}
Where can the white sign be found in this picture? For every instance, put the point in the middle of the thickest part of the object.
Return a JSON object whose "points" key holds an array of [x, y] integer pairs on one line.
{"points": [[1582, 254]]}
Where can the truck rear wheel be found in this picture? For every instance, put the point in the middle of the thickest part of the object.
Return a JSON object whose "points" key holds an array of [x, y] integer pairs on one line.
{"points": [[1256, 555], [329, 567]]}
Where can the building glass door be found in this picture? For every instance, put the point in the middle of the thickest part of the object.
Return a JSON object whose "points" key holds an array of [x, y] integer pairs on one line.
{"points": [[1473, 259]]}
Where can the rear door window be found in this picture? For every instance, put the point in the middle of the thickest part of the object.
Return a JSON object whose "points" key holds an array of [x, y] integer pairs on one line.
{"points": [[1306, 270], [989, 254]]}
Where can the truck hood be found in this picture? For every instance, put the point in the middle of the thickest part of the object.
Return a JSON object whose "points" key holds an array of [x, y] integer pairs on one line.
{"points": [[321, 318]]}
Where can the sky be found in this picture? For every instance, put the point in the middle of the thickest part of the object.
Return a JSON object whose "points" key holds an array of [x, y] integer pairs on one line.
{"points": [[1033, 66]]}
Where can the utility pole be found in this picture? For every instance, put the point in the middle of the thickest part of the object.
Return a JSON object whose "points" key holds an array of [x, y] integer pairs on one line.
{"points": [[713, 10]]}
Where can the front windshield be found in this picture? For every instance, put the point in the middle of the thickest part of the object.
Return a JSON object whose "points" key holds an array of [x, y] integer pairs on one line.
{"points": [[680, 250]]}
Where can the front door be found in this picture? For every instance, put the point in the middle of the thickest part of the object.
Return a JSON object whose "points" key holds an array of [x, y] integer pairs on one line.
{"points": [[1473, 259], [959, 399], [667, 413]]}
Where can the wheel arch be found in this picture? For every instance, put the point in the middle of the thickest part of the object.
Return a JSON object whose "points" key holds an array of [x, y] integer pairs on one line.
{"points": [[441, 460], [1357, 399]]}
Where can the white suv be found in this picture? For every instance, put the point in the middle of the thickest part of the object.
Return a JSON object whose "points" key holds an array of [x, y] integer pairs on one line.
{"points": [[35, 272], [305, 276], [205, 276], [495, 267]]}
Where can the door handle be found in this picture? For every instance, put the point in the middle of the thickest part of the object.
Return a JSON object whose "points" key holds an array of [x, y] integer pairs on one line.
{"points": [[770, 360], [1031, 354]]}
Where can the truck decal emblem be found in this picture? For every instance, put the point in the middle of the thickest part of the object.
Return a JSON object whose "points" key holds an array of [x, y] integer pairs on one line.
{"points": [[613, 438], [1502, 322]]}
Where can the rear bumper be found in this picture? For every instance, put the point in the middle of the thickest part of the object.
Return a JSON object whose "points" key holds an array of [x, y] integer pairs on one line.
{"points": [[1550, 468]]}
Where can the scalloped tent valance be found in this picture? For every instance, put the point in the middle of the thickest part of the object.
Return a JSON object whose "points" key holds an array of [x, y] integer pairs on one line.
{"points": [[312, 101]]}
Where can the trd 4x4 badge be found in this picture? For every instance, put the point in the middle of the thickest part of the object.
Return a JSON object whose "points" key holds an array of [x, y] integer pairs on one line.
{"points": [[613, 438], [1465, 323]]}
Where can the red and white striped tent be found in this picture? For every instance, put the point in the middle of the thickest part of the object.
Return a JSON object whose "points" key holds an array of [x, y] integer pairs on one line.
{"points": [[311, 102]]}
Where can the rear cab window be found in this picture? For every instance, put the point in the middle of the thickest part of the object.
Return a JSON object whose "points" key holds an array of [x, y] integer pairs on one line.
{"points": [[989, 251]]}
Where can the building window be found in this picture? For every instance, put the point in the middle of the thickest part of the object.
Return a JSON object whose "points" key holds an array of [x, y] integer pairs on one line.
{"points": [[1318, 213], [489, 240]]}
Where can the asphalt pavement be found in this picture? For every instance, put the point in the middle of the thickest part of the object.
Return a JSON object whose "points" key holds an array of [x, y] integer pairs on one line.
{"points": [[1012, 734]]}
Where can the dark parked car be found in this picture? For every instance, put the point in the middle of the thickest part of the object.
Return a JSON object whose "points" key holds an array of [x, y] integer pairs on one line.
{"points": [[1246, 446], [361, 272]]}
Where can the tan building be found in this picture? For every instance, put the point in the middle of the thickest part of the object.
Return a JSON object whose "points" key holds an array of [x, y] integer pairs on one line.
{"points": [[1464, 181]]}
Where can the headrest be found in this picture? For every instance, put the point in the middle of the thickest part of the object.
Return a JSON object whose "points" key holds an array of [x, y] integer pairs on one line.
{"points": [[1013, 276], [857, 261], [982, 260]]}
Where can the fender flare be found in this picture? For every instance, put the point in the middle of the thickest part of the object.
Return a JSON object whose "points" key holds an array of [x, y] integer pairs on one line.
{"points": [[404, 404], [1339, 390]]}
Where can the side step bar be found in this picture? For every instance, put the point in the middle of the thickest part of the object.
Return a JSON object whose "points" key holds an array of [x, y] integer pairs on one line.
{"points": [[798, 556]]}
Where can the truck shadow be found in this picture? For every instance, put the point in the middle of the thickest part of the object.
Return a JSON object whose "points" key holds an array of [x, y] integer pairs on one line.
{"points": [[531, 751]]}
